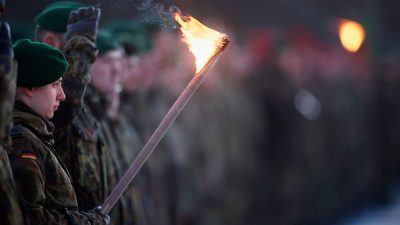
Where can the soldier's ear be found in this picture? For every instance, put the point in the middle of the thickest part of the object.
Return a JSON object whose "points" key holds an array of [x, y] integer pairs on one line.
{"points": [[51, 39], [28, 91]]}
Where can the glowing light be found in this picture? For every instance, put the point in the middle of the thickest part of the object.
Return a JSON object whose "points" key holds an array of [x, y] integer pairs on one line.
{"points": [[352, 35], [202, 41]]}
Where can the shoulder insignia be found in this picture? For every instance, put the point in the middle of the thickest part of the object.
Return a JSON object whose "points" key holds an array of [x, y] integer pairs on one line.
{"points": [[28, 155]]}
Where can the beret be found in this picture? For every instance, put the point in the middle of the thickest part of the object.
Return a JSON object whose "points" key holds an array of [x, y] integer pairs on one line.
{"points": [[39, 64], [105, 41], [133, 32], [55, 16]]}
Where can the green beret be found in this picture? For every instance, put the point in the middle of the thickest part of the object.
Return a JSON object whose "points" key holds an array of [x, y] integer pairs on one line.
{"points": [[133, 32], [105, 41], [55, 16], [38, 64]]}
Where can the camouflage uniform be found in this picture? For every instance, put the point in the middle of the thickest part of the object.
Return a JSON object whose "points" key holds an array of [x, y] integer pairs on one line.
{"points": [[75, 132], [43, 182], [78, 139], [9, 207], [84, 148], [129, 208]]}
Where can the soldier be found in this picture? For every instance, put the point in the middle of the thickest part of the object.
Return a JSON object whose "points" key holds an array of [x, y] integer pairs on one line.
{"points": [[103, 100], [9, 206], [141, 111], [80, 139], [43, 183], [134, 38], [83, 143]]}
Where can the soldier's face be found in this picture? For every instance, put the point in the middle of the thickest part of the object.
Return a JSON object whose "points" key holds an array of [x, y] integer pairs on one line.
{"points": [[131, 73], [45, 100], [107, 72]]}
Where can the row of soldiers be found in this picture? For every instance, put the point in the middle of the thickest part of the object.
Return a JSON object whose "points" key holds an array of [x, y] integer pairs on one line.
{"points": [[120, 81], [67, 139]]}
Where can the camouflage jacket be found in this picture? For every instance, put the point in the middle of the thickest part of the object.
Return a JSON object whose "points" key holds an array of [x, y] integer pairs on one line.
{"points": [[82, 148], [76, 135], [42, 182], [7, 92], [129, 209], [9, 206]]}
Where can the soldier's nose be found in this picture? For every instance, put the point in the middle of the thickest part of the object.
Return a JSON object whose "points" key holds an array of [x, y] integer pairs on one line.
{"points": [[61, 96]]}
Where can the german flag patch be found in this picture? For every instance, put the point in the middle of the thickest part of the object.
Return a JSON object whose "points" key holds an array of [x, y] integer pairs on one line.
{"points": [[28, 155]]}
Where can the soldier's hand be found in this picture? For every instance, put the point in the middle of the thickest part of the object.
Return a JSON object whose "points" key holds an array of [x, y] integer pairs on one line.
{"points": [[106, 218], [5, 39], [84, 22]]}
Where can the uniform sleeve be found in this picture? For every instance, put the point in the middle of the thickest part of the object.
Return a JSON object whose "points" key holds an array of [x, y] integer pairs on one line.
{"points": [[9, 207], [7, 92], [80, 53], [27, 165]]}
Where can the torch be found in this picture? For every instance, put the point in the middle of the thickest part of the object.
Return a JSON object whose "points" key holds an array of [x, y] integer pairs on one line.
{"points": [[352, 35], [206, 45]]}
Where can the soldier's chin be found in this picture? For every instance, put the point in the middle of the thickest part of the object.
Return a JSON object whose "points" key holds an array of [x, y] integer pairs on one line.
{"points": [[50, 115]]}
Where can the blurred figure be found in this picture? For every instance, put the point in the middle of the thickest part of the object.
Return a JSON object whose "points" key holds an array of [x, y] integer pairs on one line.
{"points": [[221, 124], [9, 206], [143, 108], [311, 97], [103, 99]]}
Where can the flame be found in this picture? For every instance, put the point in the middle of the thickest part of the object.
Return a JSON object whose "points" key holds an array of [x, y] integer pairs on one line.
{"points": [[202, 41], [352, 34]]}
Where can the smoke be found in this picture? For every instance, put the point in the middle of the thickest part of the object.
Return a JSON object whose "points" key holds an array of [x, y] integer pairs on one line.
{"points": [[156, 13]]}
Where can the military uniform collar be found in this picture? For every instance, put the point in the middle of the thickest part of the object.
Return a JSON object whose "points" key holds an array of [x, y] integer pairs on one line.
{"points": [[25, 115]]}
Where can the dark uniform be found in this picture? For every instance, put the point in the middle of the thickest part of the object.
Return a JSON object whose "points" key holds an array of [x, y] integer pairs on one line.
{"points": [[9, 206]]}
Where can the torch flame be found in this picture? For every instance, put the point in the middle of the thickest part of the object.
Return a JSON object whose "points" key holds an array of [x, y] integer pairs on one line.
{"points": [[352, 35], [202, 41]]}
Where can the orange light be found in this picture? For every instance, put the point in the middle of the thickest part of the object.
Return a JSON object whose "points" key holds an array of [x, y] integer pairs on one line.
{"points": [[352, 34], [202, 41]]}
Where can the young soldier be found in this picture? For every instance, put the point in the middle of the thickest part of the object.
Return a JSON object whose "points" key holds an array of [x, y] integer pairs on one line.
{"points": [[80, 141], [9, 206], [102, 100], [42, 182]]}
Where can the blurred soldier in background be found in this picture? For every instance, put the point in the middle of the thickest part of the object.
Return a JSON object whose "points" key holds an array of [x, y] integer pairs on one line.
{"points": [[103, 100], [140, 100], [9, 205]]}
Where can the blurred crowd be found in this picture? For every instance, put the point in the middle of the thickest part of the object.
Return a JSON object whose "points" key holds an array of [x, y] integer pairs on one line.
{"points": [[287, 129]]}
